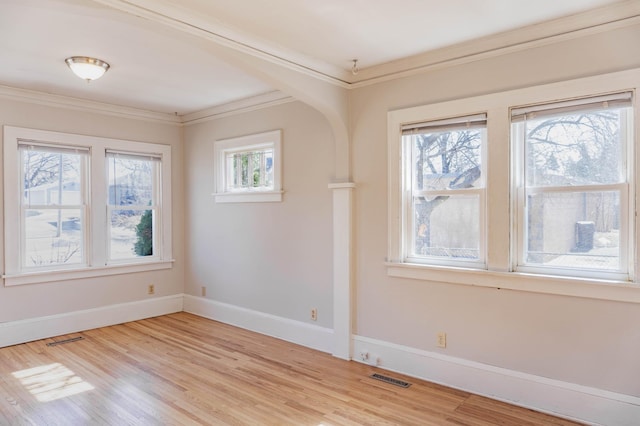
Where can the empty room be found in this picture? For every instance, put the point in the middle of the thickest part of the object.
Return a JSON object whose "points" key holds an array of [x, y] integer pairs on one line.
{"points": [[319, 213]]}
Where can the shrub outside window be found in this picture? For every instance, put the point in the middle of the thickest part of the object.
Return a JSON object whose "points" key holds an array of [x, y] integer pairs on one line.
{"points": [[83, 206], [132, 206]]}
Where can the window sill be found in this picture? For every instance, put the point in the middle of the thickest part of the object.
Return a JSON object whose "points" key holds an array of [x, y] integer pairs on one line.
{"points": [[619, 291], [249, 197], [91, 272]]}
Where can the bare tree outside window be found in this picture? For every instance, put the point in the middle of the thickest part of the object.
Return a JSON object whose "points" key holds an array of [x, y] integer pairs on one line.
{"points": [[574, 176], [53, 200], [446, 218]]}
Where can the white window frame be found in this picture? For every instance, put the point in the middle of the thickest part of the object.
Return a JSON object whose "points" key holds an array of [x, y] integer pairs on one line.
{"points": [[502, 224], [408, 194], [20, 254], [97, 263], [156, 207], [521, 189], [255, 142]]}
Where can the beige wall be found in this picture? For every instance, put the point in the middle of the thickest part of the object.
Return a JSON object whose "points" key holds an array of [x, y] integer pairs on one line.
{"points": [[276, 258], [39, 300], [588, 342], [273, 258]]}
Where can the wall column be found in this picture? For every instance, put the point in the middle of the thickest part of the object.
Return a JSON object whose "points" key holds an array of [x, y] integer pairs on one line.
{"points": [[342, 272]]}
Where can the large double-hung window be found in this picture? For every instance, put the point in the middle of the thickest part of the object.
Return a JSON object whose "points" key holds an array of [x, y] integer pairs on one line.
{"points": [[573, 186], [133, 204], [53, 205], [533, 189], [82, 206], [444, 190]]}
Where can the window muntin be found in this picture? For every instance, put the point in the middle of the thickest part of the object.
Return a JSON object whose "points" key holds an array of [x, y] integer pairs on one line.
{"points": [[504, 157], [132, 205], [249, 168], [444, 191], [53, 206], [573, 207]]}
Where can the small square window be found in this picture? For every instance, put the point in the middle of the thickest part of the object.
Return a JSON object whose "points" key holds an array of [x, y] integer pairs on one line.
{"points": [[248, 168]]}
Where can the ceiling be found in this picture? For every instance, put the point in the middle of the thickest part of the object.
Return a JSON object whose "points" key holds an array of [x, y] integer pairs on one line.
{"points": [[160, 50]]}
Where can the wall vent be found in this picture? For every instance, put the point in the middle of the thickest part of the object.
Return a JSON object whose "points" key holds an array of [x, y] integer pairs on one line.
{"points": [[390, 380]]}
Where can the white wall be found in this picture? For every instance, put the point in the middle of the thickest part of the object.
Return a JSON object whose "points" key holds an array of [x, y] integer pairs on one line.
{"points": [[62, 297], [587, 342], [271, 258]]}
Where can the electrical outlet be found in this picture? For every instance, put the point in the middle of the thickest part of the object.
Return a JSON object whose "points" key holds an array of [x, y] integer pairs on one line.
{"points": [[314, 314], [151, 289], [204, 291], [442, 340]]}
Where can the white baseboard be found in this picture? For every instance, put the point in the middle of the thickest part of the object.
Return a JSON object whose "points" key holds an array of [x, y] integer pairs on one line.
{"points": [[581, 403], [568, 400], [311, 336], [16, 332]]}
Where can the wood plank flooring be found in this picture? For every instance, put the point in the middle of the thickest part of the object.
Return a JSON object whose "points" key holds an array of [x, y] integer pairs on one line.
{"points": [[181, 369]]}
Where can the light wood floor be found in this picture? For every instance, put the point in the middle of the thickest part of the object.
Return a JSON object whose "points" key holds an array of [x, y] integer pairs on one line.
{"points": [[181, 369]]}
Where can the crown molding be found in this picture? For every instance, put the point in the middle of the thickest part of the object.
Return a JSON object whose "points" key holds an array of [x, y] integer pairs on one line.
{"points": [[187, 21], [601, 19], [240, 106], [594, 21], [252, 103], [59, 101], [606, 18]]}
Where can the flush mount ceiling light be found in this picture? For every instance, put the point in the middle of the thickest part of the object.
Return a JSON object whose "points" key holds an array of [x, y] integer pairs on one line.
{"points": [[87, 68]]}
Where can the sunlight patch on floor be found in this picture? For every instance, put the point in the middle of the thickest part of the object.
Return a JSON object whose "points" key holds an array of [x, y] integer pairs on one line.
{"points": [[51, 382]]}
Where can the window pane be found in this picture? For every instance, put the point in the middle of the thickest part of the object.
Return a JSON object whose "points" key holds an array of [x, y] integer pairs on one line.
{"points": [[131, 234], [52, 237], [131, 181], [575, 149], [574, 230], [131, 188], [447, 227], [51, 178], [268, 168], [446, 160], [252, 170]]}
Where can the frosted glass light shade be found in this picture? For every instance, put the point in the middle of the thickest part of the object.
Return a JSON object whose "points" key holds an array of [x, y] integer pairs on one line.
{"points": [[87, 68]]}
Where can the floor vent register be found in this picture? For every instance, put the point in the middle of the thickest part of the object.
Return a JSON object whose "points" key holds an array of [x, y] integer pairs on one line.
{"points": [[391, 380]]}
